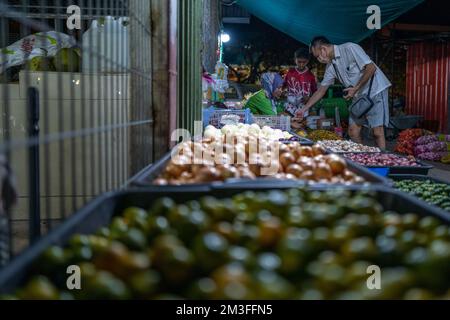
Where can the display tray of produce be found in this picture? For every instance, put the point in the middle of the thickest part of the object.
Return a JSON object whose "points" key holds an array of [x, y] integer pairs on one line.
{"points": [[297, 138], [267, 244], [213, 116], [304, 164], [317, 135], [394, 163], [431, 190], [345, 146]]}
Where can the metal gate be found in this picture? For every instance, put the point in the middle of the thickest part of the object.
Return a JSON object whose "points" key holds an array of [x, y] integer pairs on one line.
{"points": [[428, 80], [76, 115]]}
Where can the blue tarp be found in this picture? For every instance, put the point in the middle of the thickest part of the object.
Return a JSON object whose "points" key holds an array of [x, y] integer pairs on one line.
{"points": [[339, 20]]}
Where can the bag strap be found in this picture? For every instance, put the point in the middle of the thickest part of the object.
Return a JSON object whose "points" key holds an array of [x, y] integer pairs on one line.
{"points": [[370, 85], [338, 74]]}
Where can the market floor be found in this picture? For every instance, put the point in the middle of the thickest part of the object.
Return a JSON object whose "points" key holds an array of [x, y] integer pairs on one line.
{"points": [[440, 171]]}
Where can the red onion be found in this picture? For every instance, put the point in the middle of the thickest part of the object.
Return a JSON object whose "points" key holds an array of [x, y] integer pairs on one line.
{"points": [[382, 159]]}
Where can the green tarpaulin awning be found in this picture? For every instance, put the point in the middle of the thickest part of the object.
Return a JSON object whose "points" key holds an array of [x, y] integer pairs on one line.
{"points": [[339, 20]]}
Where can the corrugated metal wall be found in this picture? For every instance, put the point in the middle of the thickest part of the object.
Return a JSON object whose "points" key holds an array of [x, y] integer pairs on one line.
{"points": [[189, 63], [427, 83]]}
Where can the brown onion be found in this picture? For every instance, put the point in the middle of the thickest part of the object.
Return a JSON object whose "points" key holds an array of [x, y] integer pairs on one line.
{"points": [[290, 176], [323, 171], [337, 164], [207, 174], [255, 168], [294, 169], [286, 159], [307, 164], [228, 172], [348, 175], [174, 170], [318, 149], [336, 179], [307, 175], [294, 145], [306, 151], [284, 148], [195, 168], [245, 173], [160, 182], [280, 167], [175, 182]]}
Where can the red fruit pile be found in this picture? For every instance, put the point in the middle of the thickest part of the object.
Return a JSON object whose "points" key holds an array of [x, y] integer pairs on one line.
{"points": [[406, 140]]}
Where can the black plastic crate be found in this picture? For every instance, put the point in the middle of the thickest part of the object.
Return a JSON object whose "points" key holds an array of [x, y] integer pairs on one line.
{"points": [[99, 213], [400, 177], [146, 176], [422, 169], [302, 140]]}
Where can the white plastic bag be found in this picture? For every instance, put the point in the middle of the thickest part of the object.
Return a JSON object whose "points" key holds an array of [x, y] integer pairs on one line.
{"points": [[220, 78], [106, 46], [35, 45]]}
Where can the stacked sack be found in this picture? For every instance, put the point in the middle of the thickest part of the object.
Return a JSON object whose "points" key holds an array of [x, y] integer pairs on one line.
{"points": [[430, 148]]}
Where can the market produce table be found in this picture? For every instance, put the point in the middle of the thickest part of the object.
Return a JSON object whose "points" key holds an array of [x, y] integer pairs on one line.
{"points": [[273, 238]]}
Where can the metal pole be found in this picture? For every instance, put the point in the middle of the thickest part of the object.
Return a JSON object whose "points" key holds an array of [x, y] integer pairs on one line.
{"points": [[392, 68], [5, 239], [448, 104], [33, 166]]}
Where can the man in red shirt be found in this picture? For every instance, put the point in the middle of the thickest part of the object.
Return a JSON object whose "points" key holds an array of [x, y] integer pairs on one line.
{"points": [[299, 81]]}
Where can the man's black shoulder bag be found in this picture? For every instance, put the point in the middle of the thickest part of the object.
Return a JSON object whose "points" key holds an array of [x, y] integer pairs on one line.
{"points": [[363, 104]]}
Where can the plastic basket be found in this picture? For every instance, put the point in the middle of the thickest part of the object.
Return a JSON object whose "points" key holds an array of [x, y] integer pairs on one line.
{"points": [[212, 116], [275, 122], [421, 169], [384, 172]]}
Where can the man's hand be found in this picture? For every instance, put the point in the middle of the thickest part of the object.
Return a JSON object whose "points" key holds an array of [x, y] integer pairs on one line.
{"points": [[301, 113], [350, 93], [297, 123]]}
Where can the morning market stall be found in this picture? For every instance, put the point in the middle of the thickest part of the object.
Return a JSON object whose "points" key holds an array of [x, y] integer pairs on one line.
{"points": [[223, 230]]}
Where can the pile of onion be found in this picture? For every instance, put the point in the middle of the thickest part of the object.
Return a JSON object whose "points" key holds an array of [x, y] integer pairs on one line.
{"points": [[382, 159], [312, 164], [292, 161]]}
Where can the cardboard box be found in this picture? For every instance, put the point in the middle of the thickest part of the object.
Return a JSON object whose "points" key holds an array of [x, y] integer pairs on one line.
{"points": [[325, 124]]}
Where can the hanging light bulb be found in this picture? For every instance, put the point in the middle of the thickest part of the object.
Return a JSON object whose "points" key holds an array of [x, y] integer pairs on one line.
{"points": [[225, 37]]}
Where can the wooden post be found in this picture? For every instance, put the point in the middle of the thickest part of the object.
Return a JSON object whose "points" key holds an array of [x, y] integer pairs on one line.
{"points": [[189, 97], [448, 104], [160, 19], [141, 135], [211, 29]]}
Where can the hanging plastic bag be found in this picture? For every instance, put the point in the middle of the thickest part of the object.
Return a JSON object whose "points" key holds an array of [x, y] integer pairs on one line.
{"points": [[42, 44]]}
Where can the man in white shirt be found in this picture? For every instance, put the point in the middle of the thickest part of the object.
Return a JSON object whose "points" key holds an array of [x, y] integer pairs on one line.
{"points": [[354, 69]]}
